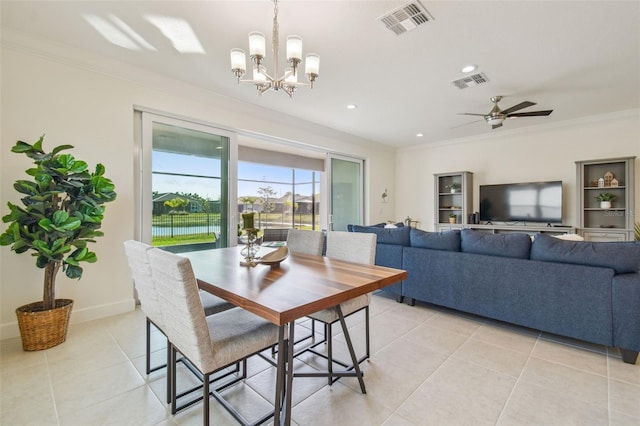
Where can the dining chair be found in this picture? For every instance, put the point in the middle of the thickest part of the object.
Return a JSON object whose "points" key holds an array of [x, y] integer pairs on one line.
{"points": [[274, 234], [304, 241], [141, 273], [209, 343], [350, 247]]}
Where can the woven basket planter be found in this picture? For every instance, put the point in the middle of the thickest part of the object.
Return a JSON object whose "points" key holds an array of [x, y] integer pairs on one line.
{"points": [[40, 329]]}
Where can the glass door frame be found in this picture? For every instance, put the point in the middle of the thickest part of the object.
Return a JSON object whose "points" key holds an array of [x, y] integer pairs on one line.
{"points": [[330, 189], [143, 177]]}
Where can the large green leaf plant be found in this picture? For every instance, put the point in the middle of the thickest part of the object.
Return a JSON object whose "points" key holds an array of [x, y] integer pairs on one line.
{"points": [[63, 208]]}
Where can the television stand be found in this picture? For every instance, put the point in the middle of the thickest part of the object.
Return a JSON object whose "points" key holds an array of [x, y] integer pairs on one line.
{"points": [[528, 229]]}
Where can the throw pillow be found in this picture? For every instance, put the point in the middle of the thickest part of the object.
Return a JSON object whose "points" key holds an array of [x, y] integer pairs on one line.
{"points": [[396, 236], [446, 240], [517, 244], [622, 257]]}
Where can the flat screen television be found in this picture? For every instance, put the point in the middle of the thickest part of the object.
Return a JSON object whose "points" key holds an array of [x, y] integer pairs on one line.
{"points": [[522, 202]]}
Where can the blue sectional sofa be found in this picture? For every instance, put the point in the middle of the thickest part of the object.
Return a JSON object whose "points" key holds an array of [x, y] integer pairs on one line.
{"points": [[584, 290]]}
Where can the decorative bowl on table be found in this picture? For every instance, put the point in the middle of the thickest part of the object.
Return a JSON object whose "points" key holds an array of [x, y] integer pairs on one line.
{"points": [[275, 257]]}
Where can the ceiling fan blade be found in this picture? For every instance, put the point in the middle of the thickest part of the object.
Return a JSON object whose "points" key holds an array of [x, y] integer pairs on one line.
{"points": [[520, 106], [471, 113], [531, 114], [495, 126]]}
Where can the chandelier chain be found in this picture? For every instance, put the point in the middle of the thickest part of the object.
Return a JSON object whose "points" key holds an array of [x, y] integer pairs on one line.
{"points": [[275, 36]]}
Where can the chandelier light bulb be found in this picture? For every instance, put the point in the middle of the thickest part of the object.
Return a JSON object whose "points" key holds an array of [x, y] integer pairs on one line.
{"points": [[257, 44], [258, 74], [238, 62], [312, 67], [291, 78], [294, 47]]}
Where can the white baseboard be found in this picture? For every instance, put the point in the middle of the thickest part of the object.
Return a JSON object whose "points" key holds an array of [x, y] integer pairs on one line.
{"points": [[10, 330]]}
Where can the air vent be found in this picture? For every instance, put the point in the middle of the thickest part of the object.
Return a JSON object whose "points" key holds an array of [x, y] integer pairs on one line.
{"points": [[470, 81], [406, 18]]}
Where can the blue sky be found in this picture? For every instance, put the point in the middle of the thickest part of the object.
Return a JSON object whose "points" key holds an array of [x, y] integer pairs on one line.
{"points": [[208, 186]]}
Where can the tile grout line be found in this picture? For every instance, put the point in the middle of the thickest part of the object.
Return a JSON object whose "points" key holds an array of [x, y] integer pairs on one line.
{"points": [[506, 402], [53, 395]]}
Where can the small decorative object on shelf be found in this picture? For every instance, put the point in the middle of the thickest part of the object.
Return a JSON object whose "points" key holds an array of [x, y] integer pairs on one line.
{"points": [[614, 182], [453, 187], [605, 199], [252, 246], [601, 183], [452, 218], [608, 177]]}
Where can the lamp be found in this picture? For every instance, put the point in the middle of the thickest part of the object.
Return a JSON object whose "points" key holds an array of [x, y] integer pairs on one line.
{"points": [[495, 120], [288, 82]]}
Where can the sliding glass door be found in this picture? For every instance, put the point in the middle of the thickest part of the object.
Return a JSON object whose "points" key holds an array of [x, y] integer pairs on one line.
{"points": [[347, 188], [186, 169]]}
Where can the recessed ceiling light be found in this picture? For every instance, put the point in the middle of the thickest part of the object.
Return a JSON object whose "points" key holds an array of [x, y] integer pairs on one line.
{"points": [[419, 135], [468, 68], [352, 106]]}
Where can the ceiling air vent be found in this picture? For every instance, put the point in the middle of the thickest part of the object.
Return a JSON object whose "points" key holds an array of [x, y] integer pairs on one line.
{"points": [[406, 18], [470, 81]]}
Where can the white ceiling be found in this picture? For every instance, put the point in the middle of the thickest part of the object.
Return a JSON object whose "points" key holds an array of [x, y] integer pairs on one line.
{"points": [[579, 58]]}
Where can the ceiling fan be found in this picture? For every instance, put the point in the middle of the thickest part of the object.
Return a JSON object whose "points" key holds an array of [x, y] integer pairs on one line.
{"points": [[496, 116]]}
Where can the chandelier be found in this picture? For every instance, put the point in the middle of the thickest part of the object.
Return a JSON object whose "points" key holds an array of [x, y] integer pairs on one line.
{"points": [[288, 82]]}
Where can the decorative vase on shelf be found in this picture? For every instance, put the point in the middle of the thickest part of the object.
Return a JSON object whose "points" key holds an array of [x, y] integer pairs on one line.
{"points": [[605, 199], [605, 204], [452, 219]]}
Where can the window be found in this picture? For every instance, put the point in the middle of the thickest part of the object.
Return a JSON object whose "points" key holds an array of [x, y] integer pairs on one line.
{"points": [[282, 197], [185, 184]]}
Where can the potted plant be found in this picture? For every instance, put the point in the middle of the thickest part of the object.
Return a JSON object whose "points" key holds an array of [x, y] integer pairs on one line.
{"points": [[452, 218], [605, 199], [63, 207], [453, 187]]}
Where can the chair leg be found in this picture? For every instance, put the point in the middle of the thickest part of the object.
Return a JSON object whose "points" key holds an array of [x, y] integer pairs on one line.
{"points": [[148, 344], [368, 346], [172, 378], [329, 338], [171, 366], [205, 400]]}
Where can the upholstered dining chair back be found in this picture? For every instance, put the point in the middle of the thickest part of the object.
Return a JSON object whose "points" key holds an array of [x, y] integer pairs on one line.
{"points": [[141, 273], [306, 242], [357, 247], [182, 312]]}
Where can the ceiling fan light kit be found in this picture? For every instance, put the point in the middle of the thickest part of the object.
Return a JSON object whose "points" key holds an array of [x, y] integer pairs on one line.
{"points": [[497, 116], [288, 82]]}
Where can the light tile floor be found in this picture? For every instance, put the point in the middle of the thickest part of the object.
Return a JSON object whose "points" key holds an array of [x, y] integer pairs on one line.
{"points": [[429, 366]]}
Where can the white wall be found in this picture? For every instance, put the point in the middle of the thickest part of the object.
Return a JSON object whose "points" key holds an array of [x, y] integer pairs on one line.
{"points": [[88, 101], [540, 153]]}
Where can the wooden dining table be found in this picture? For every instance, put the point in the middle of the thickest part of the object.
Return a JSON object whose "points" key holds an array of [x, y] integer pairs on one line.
{"points": [[299, 286]]}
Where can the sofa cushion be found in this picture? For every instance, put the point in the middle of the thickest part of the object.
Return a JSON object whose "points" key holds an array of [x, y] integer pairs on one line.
{"points": [[517, 245], [446, 240], [397, 236], [622, 257]]}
